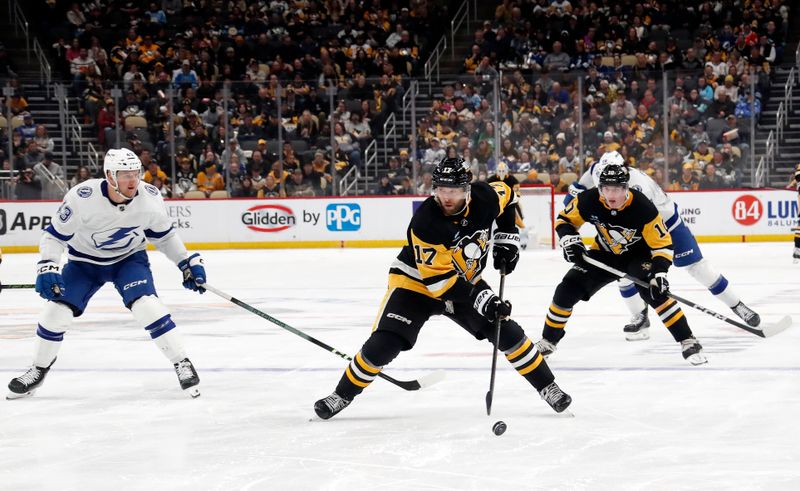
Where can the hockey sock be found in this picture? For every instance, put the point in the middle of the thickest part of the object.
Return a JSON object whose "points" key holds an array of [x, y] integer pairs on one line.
{"points": [[715, 282], [797, 238], [631, 297], [555, 322], [55, 320], [357, 377], [155, 318], [530, 364], [674, 320], [381, 348], [171, 344]]}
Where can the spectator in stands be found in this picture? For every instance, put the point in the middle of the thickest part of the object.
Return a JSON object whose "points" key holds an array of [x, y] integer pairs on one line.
{"points": [[153, 171], [557, 60], [209, 180], [185, 76], [52, 177], [81, 68], [42, 139], [319, 181], [271, 189], [687, 181], [434, 154], [710, 179], [295, 186], [236, 177], [384, 187], [17, 104], [426, 186], [82, 175], [28, 185], [232, 149], [185, 177]]}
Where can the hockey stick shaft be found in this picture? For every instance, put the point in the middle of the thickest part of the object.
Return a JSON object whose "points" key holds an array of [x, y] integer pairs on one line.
{"points": [[407, 385], [496, 341], [16, 287], [616, 272]]}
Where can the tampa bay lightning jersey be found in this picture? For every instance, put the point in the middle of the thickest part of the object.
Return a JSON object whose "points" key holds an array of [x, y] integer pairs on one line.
{"points": [[98, 231], [641, 182]]}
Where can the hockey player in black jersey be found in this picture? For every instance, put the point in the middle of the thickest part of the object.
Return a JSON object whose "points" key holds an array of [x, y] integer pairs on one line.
{"points": [[503, 174], [438, 272], [631, 237]]}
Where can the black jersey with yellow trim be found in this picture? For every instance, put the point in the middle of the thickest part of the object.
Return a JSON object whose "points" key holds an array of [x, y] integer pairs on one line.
{"points": [[636, 228], [445, 255]]}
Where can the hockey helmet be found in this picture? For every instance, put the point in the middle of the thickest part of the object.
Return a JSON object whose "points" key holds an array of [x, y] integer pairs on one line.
{"points": [[120, 159], [612, 158], [452, 172], [502, 170], [614, 175]]}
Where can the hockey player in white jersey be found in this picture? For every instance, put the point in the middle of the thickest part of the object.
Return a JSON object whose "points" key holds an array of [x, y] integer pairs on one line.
{"points": [[687, 252], [104, 225]]}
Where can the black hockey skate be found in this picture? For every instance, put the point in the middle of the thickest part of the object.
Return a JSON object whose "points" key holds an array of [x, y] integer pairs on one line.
{"points": [[27, 384], [693, 351], [553, 395], [747, 314], [330, 406], [188, 377], [796, 255], [638, 328]]}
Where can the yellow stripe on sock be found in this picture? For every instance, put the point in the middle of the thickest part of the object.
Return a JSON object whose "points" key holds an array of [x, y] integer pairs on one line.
{"points": [[664, 306], [674, 318], [353, 379], [519, 350], [562, 312], [535, 363], [557, 325], [366, 366]]}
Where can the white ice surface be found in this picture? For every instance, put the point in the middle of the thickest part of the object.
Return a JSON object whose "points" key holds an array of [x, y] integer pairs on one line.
{"points": [[111, 415]]}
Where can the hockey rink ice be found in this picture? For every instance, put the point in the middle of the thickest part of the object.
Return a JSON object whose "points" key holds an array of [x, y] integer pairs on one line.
{"points": [[111, 415]]}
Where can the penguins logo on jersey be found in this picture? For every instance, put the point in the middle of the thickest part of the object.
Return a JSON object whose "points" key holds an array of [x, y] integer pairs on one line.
{"points": [[617, 239], [469, 252]]}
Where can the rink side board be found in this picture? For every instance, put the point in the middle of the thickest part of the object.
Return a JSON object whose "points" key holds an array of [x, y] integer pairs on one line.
{"points": [[745, 215]]}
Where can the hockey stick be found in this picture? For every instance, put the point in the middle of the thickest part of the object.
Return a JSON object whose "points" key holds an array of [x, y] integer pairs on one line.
{"points": [[425, 381], [765, 332], [15, 287], [496, 341]]}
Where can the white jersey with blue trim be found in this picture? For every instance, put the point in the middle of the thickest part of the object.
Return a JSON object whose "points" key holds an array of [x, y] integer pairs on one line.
{"points": [[641, 182], [96, 230]]}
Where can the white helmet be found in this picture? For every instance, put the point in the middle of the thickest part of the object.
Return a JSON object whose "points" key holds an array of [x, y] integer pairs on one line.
{"points": [[502, 170], [608, 158], [120, 159]]}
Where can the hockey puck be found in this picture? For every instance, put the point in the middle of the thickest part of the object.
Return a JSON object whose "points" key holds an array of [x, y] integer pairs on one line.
{"points": [[499, 428]]}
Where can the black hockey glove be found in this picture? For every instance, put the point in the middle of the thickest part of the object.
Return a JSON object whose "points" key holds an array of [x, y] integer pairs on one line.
{"points": [[506, 248], [659, 286], [490, 306], [573, 248]]}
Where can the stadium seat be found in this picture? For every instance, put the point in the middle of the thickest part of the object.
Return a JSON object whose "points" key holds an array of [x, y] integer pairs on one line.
{"points": [[219, 195], [194, 195], [132, 122]]}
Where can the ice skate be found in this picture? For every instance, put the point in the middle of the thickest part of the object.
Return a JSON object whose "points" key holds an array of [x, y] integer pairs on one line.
{"points": [[638, 328], [747, 314], [555, 397], [188, 378], [693, 351], [330, 406], [796, 255], [545, 347], [27, 384]]}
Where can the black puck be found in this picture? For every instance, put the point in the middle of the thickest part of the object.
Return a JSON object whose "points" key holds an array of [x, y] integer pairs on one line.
{"points": [[499, 428]]}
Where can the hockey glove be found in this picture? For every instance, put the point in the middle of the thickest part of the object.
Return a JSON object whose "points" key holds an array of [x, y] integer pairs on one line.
{"points": [[573, 248], [490, 306], [194, 274], [49, 282], [506, 248], [659, 286]]}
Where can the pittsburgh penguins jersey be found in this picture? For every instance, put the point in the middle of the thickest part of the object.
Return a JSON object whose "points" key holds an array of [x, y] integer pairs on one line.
{"points": [[445, 255], [636, 228], [639, 181], [98, 231]]}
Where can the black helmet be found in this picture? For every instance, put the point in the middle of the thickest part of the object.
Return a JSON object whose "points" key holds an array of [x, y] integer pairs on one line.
{"points": [[452, 172], [614, 175]]}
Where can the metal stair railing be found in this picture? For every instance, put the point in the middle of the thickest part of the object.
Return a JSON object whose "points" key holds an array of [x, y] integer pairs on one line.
{"points": [[389, 130], [17, 17], [45, 73], [348, 181]]}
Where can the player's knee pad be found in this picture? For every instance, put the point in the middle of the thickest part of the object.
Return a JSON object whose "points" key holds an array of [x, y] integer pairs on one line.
{"points": [[704, 273], [54, 321], [152, 315], [382, 347], [511, 334], [568, 293]]}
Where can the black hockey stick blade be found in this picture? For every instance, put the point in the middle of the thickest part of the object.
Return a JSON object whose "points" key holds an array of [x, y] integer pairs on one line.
{"points": [[425, 381], [765, 331]]}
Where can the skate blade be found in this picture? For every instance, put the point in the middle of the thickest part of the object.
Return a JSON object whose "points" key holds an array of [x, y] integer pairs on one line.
{"points": [[193, 391], [13, 395], [697, 360], [642, 335]]}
